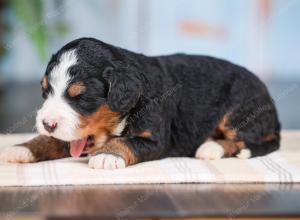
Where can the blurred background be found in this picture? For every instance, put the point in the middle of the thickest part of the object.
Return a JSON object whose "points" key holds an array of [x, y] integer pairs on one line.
{"points": [[263, 35]]}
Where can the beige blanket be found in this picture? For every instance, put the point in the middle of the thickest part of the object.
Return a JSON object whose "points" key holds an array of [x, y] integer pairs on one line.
{"points": [[281, 167]]}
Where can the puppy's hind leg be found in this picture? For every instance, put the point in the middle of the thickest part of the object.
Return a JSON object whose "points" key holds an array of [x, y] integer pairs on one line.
{"points": [[216, 149], [224, 142], [210, 150]]}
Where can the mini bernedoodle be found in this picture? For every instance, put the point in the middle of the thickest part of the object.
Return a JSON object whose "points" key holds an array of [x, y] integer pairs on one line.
{"points": [[121, 108]]}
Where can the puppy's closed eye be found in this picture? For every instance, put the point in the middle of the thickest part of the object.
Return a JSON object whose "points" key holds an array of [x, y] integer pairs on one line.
{"points": [[76, 89]]}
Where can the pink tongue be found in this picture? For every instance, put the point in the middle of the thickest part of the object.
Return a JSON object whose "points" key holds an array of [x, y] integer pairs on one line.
{"points": [[76, 147]]}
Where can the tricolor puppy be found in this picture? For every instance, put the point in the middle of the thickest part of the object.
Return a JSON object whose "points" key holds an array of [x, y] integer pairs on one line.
{"points": [[123, 108]]}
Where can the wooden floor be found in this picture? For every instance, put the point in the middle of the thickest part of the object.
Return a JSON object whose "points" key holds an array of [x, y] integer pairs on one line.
{"points": [[194, 201]]}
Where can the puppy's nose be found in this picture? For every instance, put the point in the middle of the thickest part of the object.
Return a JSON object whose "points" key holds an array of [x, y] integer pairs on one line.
{"points": [[50, 127]]}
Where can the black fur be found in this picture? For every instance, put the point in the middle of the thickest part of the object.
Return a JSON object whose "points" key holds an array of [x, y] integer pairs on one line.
{"points": [[179, 98]]}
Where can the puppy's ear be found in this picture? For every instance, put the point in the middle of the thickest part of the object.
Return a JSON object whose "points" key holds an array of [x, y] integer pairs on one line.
{"points": [[124, 89]]}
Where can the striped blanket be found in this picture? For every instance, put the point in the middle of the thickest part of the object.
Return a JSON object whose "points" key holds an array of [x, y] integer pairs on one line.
{"points": [[279, 167]]}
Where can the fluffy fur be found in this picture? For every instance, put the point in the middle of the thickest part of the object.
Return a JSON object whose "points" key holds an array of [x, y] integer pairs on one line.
{"points": [[135, 108]]}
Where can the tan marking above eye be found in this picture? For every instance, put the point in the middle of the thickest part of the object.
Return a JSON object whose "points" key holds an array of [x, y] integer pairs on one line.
{"points": [[76, 89], [45, 83], [145, 134]]}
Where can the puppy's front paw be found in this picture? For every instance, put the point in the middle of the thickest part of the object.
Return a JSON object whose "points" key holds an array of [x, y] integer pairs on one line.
{"points": [[106, 161], [210, 150], [16, 155]]}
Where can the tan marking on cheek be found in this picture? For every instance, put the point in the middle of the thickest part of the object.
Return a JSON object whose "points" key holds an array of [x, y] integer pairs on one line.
{"points": [[145, 134], [101, 124], [45, 83], [119, 147], [76, 89]]}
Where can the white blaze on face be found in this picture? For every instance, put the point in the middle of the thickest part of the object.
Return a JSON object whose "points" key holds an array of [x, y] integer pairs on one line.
{"points": [[55, 108]]}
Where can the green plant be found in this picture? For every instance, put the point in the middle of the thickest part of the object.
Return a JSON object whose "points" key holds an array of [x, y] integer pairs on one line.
{"points": [[3, 27], [31, 14]]}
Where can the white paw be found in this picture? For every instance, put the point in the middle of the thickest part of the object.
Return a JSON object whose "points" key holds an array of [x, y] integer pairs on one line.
{"points": [[106, 161], [210, 150], [16, 155], [244, 154]]}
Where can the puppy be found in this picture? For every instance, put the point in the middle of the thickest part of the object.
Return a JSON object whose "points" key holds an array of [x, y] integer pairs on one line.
{"points": [[123, 108]]}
